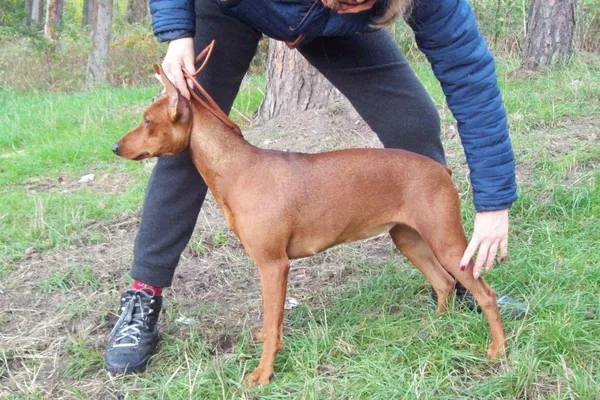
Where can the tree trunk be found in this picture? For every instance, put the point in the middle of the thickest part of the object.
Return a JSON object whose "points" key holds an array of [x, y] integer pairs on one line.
{"points": [[59, 17], [86, 12], [37, 13], [293, 84], [550, 31], [136, 11], [101, 24], [53, 17], [28, 12]]}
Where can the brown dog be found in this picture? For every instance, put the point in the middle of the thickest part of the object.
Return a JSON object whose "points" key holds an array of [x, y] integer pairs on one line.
{"points": [[284, 205]]}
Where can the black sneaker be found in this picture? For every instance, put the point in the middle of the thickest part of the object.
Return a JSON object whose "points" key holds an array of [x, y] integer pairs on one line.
{"points": [[507, 306], [135, 334]]}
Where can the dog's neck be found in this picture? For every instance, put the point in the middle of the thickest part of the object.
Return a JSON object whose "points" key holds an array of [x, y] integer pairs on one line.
{"points": [[218, 151]]}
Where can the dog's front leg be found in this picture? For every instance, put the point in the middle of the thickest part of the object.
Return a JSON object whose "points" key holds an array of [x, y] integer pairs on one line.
{"points": [[273, 280]]}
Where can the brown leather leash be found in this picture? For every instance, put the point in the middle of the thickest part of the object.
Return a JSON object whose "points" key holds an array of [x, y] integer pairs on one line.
{"points": [[208, 102]]}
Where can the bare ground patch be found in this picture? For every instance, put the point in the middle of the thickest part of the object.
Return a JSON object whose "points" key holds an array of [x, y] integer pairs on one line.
{"points": [[96, 181], [68, 296], [62, 301]]}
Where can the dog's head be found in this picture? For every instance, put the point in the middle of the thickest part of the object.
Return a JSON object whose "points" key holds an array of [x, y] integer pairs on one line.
{"points": [[165, 128]]}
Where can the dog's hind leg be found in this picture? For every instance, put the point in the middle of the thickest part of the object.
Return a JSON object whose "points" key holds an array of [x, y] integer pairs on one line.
{"points": [[483, 293], [415, 248], [443, 231]]}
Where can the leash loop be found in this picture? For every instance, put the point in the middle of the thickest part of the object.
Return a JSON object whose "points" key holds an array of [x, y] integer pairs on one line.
{"points": [[207, 101]]}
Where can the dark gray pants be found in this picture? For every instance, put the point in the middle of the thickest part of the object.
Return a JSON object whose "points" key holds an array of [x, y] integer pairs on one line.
{"points": [[368, 69]]}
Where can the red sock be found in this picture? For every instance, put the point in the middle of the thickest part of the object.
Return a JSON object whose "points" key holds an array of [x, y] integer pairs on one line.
{"points": [[154, 290]]}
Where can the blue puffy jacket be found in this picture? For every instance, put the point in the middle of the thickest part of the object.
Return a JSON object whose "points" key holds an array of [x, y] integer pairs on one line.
{"points": [[446, 32]]}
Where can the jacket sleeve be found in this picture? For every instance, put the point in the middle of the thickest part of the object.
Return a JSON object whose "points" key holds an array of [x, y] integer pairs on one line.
{"points": [[172, 19], [446, 32]]}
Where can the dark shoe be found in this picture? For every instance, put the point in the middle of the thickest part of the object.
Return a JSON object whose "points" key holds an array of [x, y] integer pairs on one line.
{"points": [[135, 334], [507, 306]]}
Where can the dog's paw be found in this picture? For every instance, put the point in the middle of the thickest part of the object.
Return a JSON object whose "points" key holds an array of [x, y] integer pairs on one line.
{"points": [[495, 350], [259, 377]]}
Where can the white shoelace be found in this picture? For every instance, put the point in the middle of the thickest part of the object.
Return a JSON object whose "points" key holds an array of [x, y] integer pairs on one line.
{"points": [[129, 323]]}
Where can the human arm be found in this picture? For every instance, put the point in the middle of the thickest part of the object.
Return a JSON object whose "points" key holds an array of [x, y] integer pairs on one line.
{"points": [[446, 32]]}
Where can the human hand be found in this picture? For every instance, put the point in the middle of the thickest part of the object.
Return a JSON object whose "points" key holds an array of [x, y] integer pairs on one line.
{"points": [[489, 234], [180, 54]]}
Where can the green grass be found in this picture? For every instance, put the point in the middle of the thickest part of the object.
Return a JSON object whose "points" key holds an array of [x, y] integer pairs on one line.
{"points": [[249, 98], [46, 135], [75, 277], [82, 359], [64, 132], [379, 339], [569, 91]]}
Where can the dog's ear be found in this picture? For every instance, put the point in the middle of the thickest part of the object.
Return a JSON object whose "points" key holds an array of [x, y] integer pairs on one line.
{"points": [[178, 105]]}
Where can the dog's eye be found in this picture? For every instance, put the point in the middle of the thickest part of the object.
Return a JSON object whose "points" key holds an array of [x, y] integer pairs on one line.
{"points": [[147, 122]]}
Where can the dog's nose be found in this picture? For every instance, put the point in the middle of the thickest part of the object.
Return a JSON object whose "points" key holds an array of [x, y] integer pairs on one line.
{"points": [[115, 148]]}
